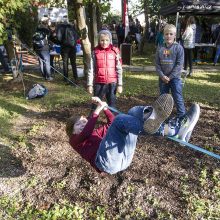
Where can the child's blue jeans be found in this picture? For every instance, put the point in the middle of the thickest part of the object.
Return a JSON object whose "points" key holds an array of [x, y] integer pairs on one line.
{"points": [[176, 87], [117, 148]]}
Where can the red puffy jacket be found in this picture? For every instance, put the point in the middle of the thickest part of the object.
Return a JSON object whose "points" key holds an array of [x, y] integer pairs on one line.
{"points": [[106, 64]]}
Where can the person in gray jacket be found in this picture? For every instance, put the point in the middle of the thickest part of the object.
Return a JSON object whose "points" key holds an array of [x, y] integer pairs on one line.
{"points": [[189, 43], [169, 64]]}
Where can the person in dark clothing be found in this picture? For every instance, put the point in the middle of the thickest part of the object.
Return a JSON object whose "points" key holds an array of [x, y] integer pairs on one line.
{"points": [[44, 51], [217, 42], [120, 33], [3, 62], [68, 48], [52, 41]]}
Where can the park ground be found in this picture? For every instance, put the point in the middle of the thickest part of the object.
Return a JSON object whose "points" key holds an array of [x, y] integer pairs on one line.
{"points": [[41, 177]]}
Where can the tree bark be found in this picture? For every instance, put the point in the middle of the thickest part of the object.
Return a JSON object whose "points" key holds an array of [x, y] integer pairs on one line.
{"points": [[83, 29], [93, 24]]}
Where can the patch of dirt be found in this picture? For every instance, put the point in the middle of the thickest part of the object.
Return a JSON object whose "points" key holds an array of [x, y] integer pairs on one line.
{"points": [[156, 171]]}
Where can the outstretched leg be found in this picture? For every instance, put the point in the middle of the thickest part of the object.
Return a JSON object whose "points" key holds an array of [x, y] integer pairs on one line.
{"points": [[184, 128]]}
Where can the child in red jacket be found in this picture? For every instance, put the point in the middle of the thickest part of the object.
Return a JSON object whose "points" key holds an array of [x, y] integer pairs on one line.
{"points": [[105, 73]]}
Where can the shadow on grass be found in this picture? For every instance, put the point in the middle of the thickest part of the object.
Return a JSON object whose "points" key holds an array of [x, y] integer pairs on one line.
{"points": [[10, 107], [10, 166]]}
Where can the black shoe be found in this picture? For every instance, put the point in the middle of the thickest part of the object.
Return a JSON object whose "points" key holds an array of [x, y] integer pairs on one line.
{"points": [[162, 109]]}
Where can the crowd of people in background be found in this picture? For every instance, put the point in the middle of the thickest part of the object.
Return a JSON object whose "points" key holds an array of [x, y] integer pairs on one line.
{"points": [[190, 31]]}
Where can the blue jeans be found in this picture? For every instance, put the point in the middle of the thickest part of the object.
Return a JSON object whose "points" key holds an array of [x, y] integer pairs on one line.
{"points": [[44, 63], [117, 148], [217, 54], [176, 87]]}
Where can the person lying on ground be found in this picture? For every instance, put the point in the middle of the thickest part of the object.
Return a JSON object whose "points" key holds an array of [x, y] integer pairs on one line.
{"points": [[110, 147]]}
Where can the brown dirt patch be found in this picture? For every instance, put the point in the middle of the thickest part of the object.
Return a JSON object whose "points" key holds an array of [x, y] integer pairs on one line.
{"points": [[156, 170]]}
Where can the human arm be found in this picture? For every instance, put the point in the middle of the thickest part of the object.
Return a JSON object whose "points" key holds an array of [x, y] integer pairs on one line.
{"points": [[90, 76], [119, 71], [100, 105], [159, 71], [87, 131]]}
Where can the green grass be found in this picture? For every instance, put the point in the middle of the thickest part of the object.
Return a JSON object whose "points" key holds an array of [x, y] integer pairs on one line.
{"points": [[203, 87]]}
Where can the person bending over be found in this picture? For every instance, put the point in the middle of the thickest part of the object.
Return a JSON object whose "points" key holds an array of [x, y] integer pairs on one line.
{"points": [[110, 147]]}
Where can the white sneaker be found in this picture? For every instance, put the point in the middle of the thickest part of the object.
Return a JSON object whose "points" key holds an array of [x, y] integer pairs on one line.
{"points": [[188, 123]]}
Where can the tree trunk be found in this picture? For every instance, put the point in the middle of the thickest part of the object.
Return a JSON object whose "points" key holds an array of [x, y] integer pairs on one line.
{"points": [[83, 29], [144, 38], [98, 18], [93, 24]]}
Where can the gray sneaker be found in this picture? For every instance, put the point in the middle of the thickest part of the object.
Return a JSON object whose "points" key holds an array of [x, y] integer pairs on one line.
{"points": [[162, 109], [188, 123]]}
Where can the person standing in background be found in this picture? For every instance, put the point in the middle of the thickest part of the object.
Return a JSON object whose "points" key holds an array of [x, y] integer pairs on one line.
{"points": [[217, 43], [67, 36], [189, 43], [41, 46]]}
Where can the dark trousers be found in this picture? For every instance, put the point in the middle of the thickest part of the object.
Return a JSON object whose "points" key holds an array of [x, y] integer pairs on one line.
{"points": [[105, 90], [188, 58], [69, 53]]}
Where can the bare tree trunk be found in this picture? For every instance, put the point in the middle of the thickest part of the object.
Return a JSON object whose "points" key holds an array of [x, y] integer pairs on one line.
{"points": [[94, 21], [144, 38], [83, 29], [93, 24], [98, 14]]}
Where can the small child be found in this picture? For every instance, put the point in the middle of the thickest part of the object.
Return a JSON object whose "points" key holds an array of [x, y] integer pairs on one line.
{"points": [[105, 74], [169, 64]]}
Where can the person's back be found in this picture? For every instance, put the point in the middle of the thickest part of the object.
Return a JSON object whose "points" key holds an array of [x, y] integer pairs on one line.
{"points": [[189, 36], [67, 36], [189, 43]]}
